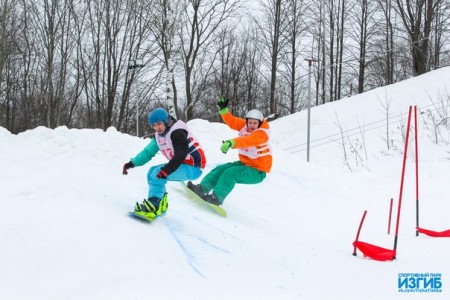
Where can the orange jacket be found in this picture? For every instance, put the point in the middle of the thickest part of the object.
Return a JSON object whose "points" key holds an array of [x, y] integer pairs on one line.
{"points": [[256, 142]]}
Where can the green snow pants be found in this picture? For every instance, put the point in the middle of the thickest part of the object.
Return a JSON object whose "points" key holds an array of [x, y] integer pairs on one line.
{"points": [[222, 179]]}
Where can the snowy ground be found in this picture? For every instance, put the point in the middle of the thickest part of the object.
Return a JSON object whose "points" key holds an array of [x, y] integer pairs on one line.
{"points": [[65, 232]]}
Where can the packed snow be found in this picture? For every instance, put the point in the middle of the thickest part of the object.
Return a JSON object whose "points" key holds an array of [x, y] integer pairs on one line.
{"points": [[65, 232]]}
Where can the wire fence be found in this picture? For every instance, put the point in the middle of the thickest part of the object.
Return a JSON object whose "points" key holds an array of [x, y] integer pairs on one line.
{"points": [[358, 130]]}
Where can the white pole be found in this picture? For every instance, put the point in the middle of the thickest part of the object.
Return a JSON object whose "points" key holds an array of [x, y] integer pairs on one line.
{"points": [[310, 61], [137, 117], [309, 110], [133, 64]]}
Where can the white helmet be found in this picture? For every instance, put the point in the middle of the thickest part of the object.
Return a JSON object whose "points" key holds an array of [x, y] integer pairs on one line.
{"points": [[255, 114]]}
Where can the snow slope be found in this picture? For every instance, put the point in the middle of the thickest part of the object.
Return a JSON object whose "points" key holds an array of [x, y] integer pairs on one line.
{"points": [[65, 232]]}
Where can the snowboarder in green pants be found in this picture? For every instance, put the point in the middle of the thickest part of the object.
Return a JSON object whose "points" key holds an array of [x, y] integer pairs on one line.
{"points": [[255, 156]]}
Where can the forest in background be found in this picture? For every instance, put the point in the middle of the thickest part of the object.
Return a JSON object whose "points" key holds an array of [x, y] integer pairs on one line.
{"points": [[102, 63]]}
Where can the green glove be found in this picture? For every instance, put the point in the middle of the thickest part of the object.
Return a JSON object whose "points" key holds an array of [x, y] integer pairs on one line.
{"points": [[222, 102], [227, 145]]}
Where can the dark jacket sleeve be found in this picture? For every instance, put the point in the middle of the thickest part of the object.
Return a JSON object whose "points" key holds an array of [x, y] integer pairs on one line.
{"points": [[181, 147]]}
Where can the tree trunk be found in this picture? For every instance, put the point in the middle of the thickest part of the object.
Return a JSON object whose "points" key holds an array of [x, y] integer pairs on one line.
{"points": [[417, 18], [274, 58]]}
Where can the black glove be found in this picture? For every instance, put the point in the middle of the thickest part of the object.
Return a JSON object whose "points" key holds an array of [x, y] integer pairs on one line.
{"points": [[222, 102], [127, 166]]}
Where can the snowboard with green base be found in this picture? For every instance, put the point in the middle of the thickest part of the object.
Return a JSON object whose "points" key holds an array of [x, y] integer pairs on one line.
{"points": [[158, 211], [195, 198], [142, 217]]}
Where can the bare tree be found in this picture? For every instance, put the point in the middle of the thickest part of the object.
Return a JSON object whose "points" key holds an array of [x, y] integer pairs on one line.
{"points": [[30, 100], [48, 19], [337, 15], [318, 32], [362, 30], [323, 39], [165, 18], [363, 36], [388, 33], [417, 17], [389, 61], [252, 65], [275, 49], [438, 34], [340, 47], [9, 27], [271, 27], [138, 85], [200, 22], [64, 62], [229, 76], [295, 27], [117, 34], [7, 18]]}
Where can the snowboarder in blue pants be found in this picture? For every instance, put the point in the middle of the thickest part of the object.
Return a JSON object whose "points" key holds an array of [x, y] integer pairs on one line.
{"points": [[186, 160]]}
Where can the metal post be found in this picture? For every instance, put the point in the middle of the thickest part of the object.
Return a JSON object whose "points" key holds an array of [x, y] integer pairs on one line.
{"points": [[133, 64], [310, 61], [137, 117]]}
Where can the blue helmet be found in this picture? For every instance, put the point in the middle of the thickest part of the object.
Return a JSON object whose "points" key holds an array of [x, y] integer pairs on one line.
{"points": [[158, 115]]}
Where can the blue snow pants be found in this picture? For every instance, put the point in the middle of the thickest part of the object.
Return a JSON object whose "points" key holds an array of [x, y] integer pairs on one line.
{"points": [[157, 187]]}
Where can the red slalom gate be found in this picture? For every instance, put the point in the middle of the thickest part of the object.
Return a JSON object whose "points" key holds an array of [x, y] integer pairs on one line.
{"points": [[359, 231], [376, 252], [368, 250], [432, 233], [445, 233]]}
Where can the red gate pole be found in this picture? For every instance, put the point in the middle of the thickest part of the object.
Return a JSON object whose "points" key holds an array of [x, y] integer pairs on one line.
{"points": [[401, 182], [417, 170], [359, 230]]}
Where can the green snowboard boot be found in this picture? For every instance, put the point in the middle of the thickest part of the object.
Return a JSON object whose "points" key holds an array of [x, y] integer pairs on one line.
{"points": [[153, 207]]}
